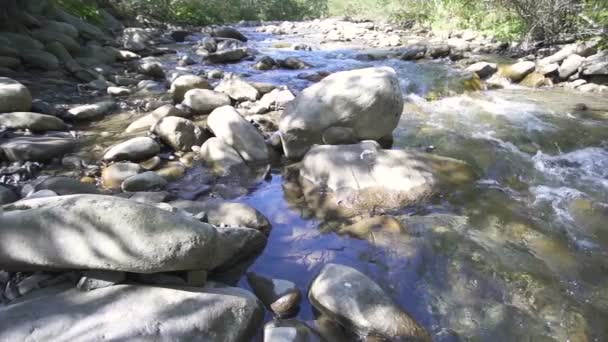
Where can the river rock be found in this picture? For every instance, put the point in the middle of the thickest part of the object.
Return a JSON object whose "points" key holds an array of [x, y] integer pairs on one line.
{"points": [[184, 83], [290, 330], [7, 195], [62, 185], [9, 62], [133, 313], [228, 32], [91, 111], [369, 101], [179, 133], [39, 59], [151, 119], [518, 71], [570, 66], [265, 63], [358, 303], [118, 91], [281, 296], [364, 176], [220, 157], [146, 181], [238, 89], [172, 171], [228, 125], [225, 44], [110, 233], [293, 63], [277, 99], [114, 175], [135, 39], [414, 52], [534, 80], [227, 56], [32, 121], [93, 280], [152, 69], [203, 101], [37, 148], [136, 149], [14, 96], [483, 69], [221, 213]]}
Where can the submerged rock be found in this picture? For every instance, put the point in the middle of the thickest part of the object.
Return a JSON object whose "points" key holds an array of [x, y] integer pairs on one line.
{"points": [[369, 101], [281, 296], [290, 330], [222, 158], [110, 233], [358, 303], [134, 313], [91, 111]]}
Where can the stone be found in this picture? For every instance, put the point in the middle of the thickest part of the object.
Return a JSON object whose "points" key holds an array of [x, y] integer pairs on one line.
{"points": [[203, 101], [21, 42], [115, 234], [151, 119], [588, 88], [220, 157], [364, 177], [45, 36], [14, 96], [209, 44], [228, 32], [290, 330], [9, 62], [265, 63], [358, 303], [179, 133], [293, 63], [439, 51], [548, 69], [151, 164], [277, 99], [39, 59], [180, 35], [227, 124], [146, 181], [91, 111], [134, 313], [222, 213], [518, 71], [152, 69], [263, 87], [238, 89], [281, 296], [369, 101], [227, 56], [228, 44], [149, 87], [114, 175], [534, 80], [172, 171], [184, 83], [7, 196], [135, 39], [93, 280], [339, 136], [483, 69], [570, 66], [61, 185], [119, 91], [414, 52], [150, 197], [136, 149], [196, 278], [37, 148], [32, 121]]}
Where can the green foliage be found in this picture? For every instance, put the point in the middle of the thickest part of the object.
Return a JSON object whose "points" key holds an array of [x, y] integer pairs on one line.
{"points": [[85, 9]]}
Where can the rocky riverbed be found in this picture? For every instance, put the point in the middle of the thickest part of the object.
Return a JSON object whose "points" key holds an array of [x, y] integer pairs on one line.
{"points": [[325, 180]]}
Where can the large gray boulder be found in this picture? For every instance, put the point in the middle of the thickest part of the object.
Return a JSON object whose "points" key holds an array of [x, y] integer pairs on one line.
{"points": [[110, 233], [184, 83], [133, 313], [228, 32], [358, 303], [14, 96], [518, 71], [32, 121], [203, 101], [179, 133], [227, 56], [136, 149], [238, 89], [369, 101], [149, 120], [228, 125], [220, 157], [570, 66], [135, 39], [37, 148], [364, 176]]}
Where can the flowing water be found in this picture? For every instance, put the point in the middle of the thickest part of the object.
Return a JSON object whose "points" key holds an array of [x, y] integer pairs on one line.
{"points": [[520, 255]]}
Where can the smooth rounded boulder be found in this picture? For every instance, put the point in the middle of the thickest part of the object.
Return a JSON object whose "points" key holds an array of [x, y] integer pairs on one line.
{"points": [[203, 101], [136, 149], [32, 121], [179, 133], [149, 120], [369, 101], [220, 157], [110, 233], [228, 32], [358, 303], [37, 148], [184, 83], [14, 96]]}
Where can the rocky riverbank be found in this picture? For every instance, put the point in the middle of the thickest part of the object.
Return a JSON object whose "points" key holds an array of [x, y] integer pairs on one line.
{"points": [[124, 152]]}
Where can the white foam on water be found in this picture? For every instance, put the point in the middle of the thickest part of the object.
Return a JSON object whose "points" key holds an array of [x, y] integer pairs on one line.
{"points": [[588, 164]]}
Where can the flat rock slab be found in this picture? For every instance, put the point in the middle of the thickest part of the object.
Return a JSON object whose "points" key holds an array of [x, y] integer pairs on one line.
{"points": [[115, 234], [133, 313]]}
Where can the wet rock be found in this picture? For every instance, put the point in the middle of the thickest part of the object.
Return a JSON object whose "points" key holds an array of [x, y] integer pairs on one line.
{"points": [[151, 119], [265, 63], [222, 158], [518, 71], [203, 101], [225, 44], [228, 32], [358, 303], [117, 313], [14, 96], [180, 35], [41, 194], [119, 91], [151, 164], [179, 133], [113, 175], [439, 51], [36, 148], [277, 99], [129, 237], [483, 69], [186, 61], [338, 136], [91, 111], [238, 89], [548, 69], [216, 74], [293, 63], [290, 330], [136, 149], [227, 56], [172, 171], [149, 197], [39, 59], [152, 69], [582, 49], [146, 181], [208, 44], [228, 125], [281, 296], [570, 66], [370, 103], [534, 80], [63, 186], [9, 62], [32, 121], [135, 39], [221, 213], [412, 53], [7, 195], [263, 87], [93, 280], [184, 83], [149, 87]]}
